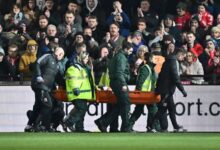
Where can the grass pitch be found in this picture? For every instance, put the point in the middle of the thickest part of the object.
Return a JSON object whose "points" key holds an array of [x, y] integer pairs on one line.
{"points": [[109, 141]]}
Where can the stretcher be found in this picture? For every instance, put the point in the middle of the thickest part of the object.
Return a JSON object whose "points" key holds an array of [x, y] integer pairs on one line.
{"points": [[136, 97]]}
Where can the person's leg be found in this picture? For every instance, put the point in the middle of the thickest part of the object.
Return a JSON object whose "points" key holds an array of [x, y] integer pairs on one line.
{"points": [[172, 112], [57, 113], [114, 124], [138, 110], [79, 126], [161, 114], [152, 110], [46, 107], [124, 110], [77, 114], [36, 108]]}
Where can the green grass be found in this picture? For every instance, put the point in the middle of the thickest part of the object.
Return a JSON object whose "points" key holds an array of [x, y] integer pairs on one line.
{"points": [[102, 141]]}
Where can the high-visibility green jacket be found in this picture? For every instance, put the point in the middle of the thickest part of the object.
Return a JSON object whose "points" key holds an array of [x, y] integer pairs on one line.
{"points": [[79, 77], [146, 80], [105, 80]]}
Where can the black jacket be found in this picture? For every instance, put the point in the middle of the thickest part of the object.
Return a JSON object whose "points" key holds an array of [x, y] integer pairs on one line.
{"points": [[47, 68], [169, 77]]}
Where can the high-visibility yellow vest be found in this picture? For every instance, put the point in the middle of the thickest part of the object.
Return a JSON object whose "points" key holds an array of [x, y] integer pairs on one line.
{"points": [[148, 85], [105, 80], [77, 77]]}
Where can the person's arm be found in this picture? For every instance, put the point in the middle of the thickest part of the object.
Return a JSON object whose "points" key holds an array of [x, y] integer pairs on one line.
{"points": [[175, 76], [119, 71]]}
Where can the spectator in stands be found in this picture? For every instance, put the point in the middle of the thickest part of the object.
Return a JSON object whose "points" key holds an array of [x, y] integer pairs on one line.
{"points": [[42, 84], [143, 28], [50, 42], [92, 8], [119, 16], [167, 39], [91, 43], [40, 32], [69, 28], [169, 27], [213, 68], [208, 53], [21, 37], [205, 18], [195, 27], [77, 40], [31, 13], [192, 66], [3, 42], [13, 59], [75, 9], [183, 16], [51, 13], [14, 17], [215, 34], [192, 45], [112, 38], [5, 67], [40, 4], [137, 41], [27, 61], [144, 11], [97, 30], [156, 37]]}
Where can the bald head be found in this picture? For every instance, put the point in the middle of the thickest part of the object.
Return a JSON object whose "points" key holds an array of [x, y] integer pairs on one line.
{"points": [[59, 53]]}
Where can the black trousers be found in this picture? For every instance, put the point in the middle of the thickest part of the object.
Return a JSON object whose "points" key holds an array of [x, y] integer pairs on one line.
{"points": [[122, 108], [77, 114], [41, 109], [139, 109], [166, 103]]}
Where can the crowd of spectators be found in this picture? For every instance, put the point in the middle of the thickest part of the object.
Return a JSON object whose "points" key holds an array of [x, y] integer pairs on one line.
{"points": [[31, 28]]}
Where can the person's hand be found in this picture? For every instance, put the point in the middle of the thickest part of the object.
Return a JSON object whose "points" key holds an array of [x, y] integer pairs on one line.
{"points": [[184, 94], [124, 88], [107, 37], [216, 61], [39, 79], [140, 13], [76, 91], [47, 13]]}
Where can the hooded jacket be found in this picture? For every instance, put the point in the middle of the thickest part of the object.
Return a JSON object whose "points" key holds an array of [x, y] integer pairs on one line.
{"points": [[27, 60]]}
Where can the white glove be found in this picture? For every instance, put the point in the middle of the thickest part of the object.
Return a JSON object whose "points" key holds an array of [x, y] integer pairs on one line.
{"points": [[40, 79]]}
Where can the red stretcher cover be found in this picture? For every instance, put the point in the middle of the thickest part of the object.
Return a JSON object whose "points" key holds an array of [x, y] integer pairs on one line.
{"points": [[136, 97]]}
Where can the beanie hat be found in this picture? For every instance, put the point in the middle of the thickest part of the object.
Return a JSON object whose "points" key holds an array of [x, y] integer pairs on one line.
{"points": [[213, 41], [2, 51]]}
